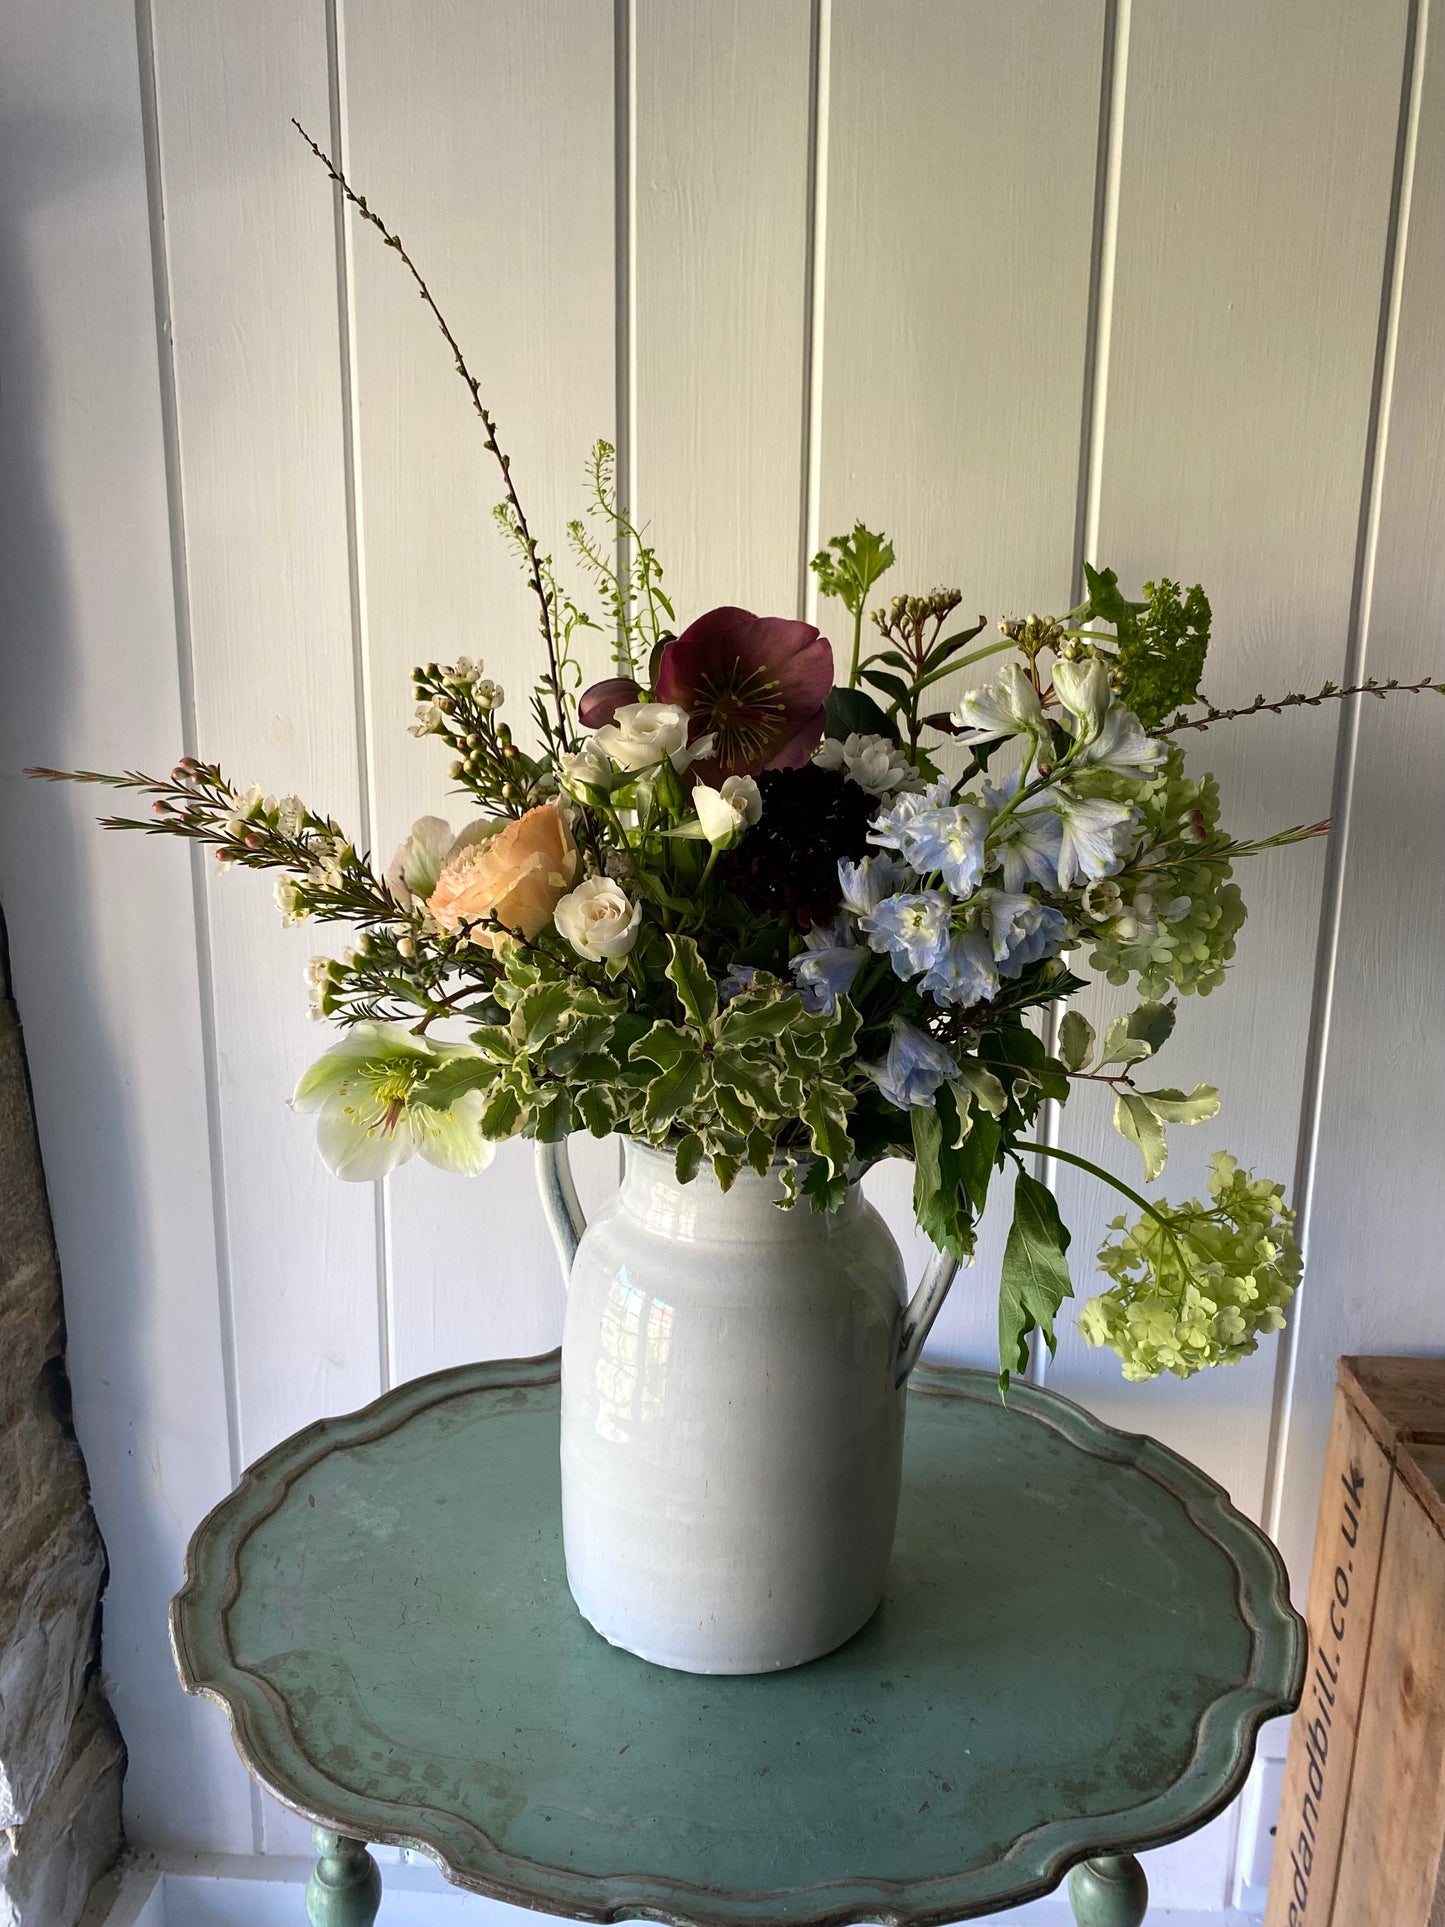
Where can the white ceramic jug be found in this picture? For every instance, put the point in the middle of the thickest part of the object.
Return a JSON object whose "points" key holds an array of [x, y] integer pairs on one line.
{"points": [[732, 1412]]}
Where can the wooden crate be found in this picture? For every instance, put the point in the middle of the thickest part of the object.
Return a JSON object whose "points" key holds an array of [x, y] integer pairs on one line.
{"points": [[1361, 1835]]}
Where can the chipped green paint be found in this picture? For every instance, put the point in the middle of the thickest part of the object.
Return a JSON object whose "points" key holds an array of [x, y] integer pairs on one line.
{"points": [[1080, 1640]]}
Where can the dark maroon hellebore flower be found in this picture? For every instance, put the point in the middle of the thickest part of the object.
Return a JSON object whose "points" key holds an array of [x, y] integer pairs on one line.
{"points": [[598, 705], [758, 683]]}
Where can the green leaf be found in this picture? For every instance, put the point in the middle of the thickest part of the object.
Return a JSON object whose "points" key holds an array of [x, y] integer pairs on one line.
{"points": [[1120, 1047], [538, 1012], [826, 1117], [851, 564], [982, 1086], [1076, 1040], [1153, 1024], [1135, 1120], [553, 1117], [891, 685], [596, 1109], [1174, 1107], [671, 1090], [853, 712], [688, 1161], [453, 1080], [696, 991], [754, 1078], [941, 1202], [664, 1045], [977, 1161], [751, 1018], [502, 1115], [1034, 1280], [825, 1191]]}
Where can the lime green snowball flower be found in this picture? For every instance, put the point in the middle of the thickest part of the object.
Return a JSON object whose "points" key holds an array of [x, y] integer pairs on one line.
{"points": [[371, 1117], [1201, 1288]]}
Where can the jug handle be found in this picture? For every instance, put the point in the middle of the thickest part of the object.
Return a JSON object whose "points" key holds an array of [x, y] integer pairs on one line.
{"points": [[922, 1308], [565, 1217]]}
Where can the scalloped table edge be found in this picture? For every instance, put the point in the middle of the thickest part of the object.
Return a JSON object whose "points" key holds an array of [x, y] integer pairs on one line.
{"points": [[207, 1669]]}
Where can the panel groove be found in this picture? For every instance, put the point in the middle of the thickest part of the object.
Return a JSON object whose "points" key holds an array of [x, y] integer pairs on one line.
{"points": [[624, 31], [356, 586], [1112, 94], [820, 59], [186, 680], [811, 333], [185, 670], [1347, 741]]}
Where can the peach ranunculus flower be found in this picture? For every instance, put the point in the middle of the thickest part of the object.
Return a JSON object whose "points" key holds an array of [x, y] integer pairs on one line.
{"points": [[518, 876]]}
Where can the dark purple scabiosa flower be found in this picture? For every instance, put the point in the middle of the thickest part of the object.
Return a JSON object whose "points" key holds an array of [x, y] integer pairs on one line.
{"points": [[597, 706], [757, 683], [787, 864]]}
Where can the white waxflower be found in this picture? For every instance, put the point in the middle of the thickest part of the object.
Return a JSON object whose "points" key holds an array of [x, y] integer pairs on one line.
{"points": [[428, 720], [247, 805], [599, 919], [487, 694], [465, 669], [290, 815], [640, 735], [287, 902], [872, 762], [723, 814], [318, 983]]}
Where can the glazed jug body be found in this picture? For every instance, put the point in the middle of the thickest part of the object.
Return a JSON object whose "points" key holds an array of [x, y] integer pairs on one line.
{"points": [[732, 1420]]}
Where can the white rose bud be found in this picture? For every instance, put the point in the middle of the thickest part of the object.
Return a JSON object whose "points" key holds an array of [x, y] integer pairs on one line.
{"points": [[724, 814], [640, 735], [599, 920], [585, 770]]}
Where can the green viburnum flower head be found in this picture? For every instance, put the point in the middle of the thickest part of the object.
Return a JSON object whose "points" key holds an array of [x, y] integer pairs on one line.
{"points": [[370, 1117], [1174, 928], [1202, 1291]]}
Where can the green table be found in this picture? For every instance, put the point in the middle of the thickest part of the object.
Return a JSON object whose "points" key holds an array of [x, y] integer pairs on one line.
{"points": [[1079, 1643]]}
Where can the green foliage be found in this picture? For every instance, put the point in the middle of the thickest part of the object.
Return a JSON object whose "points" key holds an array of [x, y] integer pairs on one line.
{"points": [[624, 567], [1034, 1281], [849, 566], [1161, 642], [1198, 1284], [1172, 923]]}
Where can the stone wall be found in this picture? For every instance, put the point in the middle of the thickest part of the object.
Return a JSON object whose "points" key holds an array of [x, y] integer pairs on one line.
{"points": [[61, 1757]]}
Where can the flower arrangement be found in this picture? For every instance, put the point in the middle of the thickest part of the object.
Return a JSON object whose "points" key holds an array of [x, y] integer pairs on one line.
{"points": [[726, 903]]}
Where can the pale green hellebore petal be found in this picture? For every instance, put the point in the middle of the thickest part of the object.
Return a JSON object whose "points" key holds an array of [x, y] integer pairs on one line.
{"points": [[363, 1043], [452, 1139], [354, 1142]]}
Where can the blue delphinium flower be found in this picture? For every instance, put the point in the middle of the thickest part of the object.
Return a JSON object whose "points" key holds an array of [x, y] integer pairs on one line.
{"points": [[1008, 706], [965, 973], [912, 930], [1022, 930], [950, 841], [734, 982], [888, 828], [1026, 845], [867, 882], [1096, 836], [914, 1068], [824, 972]]}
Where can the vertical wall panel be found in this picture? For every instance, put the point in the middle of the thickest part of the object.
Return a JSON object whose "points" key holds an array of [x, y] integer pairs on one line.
{"points": [[959, 199], [102, 929], [251, 262], [720, 279], [1377, 1225], [1250, 251], [485, 136]]}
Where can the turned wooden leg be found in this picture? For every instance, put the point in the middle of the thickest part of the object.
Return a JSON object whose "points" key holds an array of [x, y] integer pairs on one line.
{"points": [[345, 1885], [1109, 1892]]}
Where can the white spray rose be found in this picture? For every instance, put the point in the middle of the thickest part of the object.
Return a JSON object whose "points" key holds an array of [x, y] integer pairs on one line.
{"points": [[640, 735], [585, 769], [723, 814], [599, 919], [872, 762]]}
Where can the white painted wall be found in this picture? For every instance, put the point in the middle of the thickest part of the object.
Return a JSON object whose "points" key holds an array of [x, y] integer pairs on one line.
{"points": [[1137, 280]]}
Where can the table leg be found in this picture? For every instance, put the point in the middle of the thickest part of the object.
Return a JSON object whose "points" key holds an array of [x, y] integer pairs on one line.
{"points": [[1109, 1892], [345, 1885]]}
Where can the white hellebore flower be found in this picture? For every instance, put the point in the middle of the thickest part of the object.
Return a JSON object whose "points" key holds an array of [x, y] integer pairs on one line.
{"points": [[599, 919], [872, 762], [724, 814], [372, 1118], [640, 735]]}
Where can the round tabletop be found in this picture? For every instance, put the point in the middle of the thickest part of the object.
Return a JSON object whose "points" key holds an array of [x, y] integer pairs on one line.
{"points": [[1078, 1644]]}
